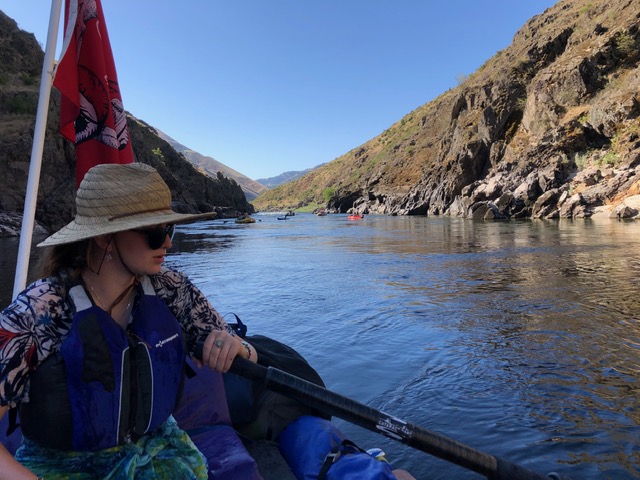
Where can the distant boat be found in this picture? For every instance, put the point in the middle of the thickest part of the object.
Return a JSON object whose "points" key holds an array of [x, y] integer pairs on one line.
{"points": [[245, 219], [355, 217], [286, 217]]}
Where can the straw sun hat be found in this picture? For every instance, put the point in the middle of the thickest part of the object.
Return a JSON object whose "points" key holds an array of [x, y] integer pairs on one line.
{"points": [[113, 198]]}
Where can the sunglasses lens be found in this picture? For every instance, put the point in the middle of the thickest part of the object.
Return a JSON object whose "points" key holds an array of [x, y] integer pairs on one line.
{"points": [[157, 236]]}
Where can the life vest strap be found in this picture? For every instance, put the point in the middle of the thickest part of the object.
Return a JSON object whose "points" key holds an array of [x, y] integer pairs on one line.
{"points": [[13, 420]]}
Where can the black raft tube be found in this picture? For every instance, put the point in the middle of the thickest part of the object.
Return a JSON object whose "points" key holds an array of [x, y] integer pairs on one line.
{"points": [[334, 404]]}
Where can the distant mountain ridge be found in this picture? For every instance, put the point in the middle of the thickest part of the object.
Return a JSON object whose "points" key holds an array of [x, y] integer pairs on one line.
{"points": [[210, 166], [285, 177]]}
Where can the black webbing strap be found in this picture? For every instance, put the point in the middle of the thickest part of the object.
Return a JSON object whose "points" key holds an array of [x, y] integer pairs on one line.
{"points": [[13, 420], [347, 446]]}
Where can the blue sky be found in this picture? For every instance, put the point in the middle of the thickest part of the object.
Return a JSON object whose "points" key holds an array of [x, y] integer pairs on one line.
{"points": [[271, 86]]}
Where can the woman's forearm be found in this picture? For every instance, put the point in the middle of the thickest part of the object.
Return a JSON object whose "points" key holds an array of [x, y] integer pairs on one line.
{"points": [[10, 469]]}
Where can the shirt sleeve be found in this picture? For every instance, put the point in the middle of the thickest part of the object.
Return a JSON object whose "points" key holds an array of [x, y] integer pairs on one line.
{"points": [[189, 305], [31, 328]]}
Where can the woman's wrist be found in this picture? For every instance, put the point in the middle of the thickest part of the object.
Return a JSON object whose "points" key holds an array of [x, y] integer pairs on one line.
{"points": [[247, 348]]}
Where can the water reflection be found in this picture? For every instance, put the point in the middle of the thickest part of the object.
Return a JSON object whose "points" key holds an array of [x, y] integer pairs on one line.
{"points": [[520, 338], [8, 257]]}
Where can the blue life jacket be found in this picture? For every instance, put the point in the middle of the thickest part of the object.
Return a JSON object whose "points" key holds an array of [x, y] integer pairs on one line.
{"points": [[106, 385]]}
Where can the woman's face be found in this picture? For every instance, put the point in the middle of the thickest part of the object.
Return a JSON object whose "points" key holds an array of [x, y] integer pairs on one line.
{"points": [[137, 254]]}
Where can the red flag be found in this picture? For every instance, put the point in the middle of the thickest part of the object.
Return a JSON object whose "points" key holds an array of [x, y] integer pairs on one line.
{"points": [[91, 111]]}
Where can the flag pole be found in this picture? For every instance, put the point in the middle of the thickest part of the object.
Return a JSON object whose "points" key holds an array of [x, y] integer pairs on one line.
{"points": [[31, 195]]}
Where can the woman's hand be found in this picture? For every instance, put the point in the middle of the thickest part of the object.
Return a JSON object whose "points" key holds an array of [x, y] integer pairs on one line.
{"points": [[9, 467], [220, 348]]}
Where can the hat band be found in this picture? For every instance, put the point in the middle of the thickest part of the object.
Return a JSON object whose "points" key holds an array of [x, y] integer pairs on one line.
{"points": [[140, 212]]}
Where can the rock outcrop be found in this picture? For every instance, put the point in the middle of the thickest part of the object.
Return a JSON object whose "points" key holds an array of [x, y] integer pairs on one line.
{"points": [[547, 128]]}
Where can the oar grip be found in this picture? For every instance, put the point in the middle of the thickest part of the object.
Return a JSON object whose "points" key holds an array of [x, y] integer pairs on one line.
{"points": [[241, 366], [247, 369]]}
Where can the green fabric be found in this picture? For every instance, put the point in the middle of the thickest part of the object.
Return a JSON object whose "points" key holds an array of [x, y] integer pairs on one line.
{"points": [[166, 454]]}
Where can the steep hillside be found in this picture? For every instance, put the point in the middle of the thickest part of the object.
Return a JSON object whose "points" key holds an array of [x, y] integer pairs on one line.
{"points": [[21, 60], [210, 166], [547, 127]]}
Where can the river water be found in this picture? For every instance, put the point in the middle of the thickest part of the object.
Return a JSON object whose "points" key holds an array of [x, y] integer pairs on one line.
{"points": [[520, 339]]}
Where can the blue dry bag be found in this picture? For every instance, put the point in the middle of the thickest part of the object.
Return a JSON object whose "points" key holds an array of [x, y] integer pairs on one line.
{"points": [[315, 449]]}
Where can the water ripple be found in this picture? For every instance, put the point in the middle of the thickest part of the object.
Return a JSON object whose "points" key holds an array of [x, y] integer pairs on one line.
{"points": [[521, 339]]}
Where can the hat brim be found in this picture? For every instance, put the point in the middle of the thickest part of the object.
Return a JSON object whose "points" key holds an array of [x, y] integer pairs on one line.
{"points": [[74, 231]]}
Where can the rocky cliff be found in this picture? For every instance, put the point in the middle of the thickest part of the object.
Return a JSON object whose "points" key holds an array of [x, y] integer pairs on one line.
{"points": [[546, 128], [21, 60]]}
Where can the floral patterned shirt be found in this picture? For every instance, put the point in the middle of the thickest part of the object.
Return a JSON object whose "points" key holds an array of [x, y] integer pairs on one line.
{"points": [[35, 324]]}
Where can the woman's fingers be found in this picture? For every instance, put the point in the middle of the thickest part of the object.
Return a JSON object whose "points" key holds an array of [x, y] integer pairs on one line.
{"points": [[220, 348]]}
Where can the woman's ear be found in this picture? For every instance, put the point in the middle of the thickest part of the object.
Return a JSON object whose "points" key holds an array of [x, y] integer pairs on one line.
{"points": [[104, 242]]}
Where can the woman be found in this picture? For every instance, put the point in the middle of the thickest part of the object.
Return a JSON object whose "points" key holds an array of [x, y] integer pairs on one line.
{"points": [[94, 353]]}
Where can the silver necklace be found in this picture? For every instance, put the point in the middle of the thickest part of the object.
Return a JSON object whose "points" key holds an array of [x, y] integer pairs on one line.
{"points": [[118, 299]]}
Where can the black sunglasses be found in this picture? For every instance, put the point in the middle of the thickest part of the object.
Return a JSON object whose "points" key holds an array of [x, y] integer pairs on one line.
{"points": [[157, 235]]}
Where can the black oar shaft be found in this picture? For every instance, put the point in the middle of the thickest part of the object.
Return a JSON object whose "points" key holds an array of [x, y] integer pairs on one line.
{"points": [[372, 419], [380, 422]]}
